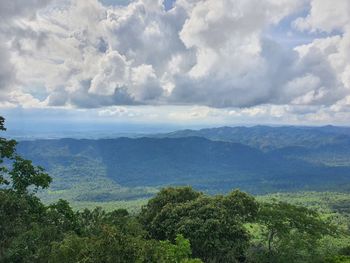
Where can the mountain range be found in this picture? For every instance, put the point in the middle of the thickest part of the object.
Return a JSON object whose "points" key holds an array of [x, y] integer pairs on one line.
{"points": [[258, 159]]}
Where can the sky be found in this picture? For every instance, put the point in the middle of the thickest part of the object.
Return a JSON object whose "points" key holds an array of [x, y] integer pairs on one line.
{"points": [[174, 62]]}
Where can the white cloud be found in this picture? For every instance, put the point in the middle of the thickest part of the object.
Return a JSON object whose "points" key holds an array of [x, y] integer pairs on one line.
{"points": [[8, 12], [331, 53], [211, 53], [24, 99], [144, 85], [113, 73], [115, 111], [325, 15]]}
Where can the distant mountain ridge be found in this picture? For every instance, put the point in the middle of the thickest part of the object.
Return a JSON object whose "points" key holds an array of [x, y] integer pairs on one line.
{"points": [[270, 138], [190, 158]]}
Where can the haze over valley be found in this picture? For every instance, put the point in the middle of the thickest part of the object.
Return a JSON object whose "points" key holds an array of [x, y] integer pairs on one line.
{"points": [[258, 159]]}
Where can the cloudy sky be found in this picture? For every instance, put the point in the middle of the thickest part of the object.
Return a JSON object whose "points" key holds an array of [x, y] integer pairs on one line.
{"points": [[212, 62]]}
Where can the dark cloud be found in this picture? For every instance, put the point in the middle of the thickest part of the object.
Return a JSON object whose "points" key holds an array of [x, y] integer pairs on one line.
{"points": [[7, 71], [81, 98]]}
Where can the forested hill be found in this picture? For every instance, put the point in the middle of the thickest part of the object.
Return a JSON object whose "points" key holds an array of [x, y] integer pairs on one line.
{"points": [[210, 165], [270, 138]]}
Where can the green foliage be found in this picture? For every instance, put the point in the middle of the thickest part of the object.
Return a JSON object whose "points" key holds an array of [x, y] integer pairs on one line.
{"points": [[332, 209], [109, 246], [214, 225], [339, 259], [165, 197], [33, 232], [7, 149], [280, 219], [174, 226], [21, 174], [289, 233], [179, 252], [24, 175]]}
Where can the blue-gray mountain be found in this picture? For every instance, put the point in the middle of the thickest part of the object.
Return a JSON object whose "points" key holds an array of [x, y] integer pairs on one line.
{"points": [[269, 138], [258, 159]]}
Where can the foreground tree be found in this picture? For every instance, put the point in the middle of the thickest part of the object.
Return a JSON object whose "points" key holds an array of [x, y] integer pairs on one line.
{"points": [[33, 232], [20, 210], [18, 174], [7, 149], [214, 225], [290, 233]]}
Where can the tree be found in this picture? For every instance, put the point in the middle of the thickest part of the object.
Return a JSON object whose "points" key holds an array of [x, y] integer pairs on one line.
{"points": [[167, 196], [19, 173], [291, 232], [20, 210], [7, 149], [111, 246], [214, 225], [180, 252]]}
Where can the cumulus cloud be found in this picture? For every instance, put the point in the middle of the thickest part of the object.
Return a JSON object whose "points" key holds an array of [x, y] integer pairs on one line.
{"points": [[325, 15], [330, 53], [212, 53], [113, 71], [9, 11]]}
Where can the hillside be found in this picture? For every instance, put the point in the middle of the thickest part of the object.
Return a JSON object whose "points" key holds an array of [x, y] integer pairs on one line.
{"points": [[121, 168], [327, 145], [270, 138]]}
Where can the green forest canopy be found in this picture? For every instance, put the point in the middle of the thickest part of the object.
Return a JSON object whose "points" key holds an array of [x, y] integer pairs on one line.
{"points": [[177, 225]]}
